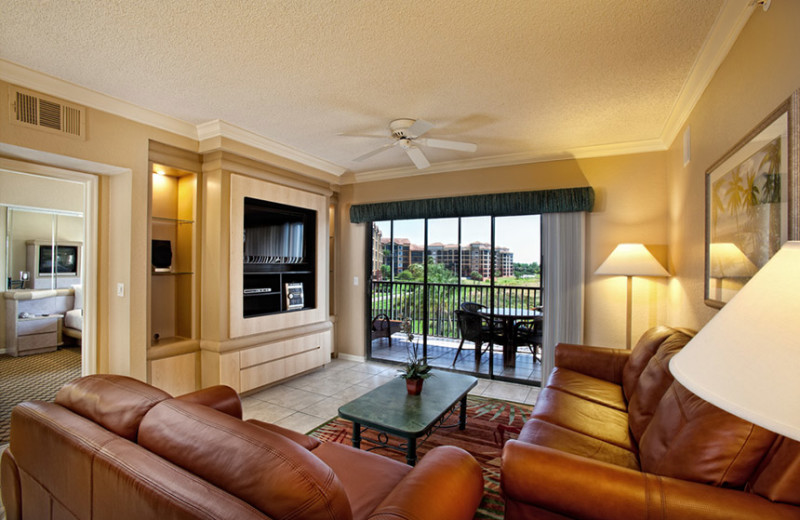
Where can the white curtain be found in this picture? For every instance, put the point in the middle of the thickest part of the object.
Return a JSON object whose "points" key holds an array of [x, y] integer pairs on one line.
{"points": [[563, 239]]}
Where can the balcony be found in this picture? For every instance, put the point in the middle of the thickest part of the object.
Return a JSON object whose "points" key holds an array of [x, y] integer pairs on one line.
{"points": [[400, 300]]}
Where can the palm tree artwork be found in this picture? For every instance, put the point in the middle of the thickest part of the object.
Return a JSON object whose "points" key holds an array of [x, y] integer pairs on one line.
{"points": [[745, 205]]}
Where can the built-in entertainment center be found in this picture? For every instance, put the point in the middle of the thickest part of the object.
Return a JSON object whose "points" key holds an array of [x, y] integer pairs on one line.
{"points": [[278, 259]]}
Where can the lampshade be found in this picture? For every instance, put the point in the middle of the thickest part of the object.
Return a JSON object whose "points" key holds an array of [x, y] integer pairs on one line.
{"points": [[728, 261], [631, 260], [746, 360]]}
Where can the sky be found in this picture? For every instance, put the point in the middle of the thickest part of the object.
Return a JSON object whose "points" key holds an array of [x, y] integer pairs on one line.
{"points": [[520, 234]]}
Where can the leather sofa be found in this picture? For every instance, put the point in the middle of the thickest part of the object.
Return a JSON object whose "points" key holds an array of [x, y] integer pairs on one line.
{"points": [[613, 436], [111, 447]]}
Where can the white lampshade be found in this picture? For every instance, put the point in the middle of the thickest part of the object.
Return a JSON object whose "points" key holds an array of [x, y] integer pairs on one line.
{"points": [[746, 360], [631, 260], [728, 261]]}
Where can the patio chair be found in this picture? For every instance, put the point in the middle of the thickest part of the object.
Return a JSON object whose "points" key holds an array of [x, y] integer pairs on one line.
{"points": [[383, 327], [529, 333], [472, 306], [475, 327]]}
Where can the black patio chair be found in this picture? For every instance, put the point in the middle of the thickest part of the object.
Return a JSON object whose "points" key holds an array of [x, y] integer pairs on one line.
{"points": [[472, 306], [529, 333], [475, 327]]}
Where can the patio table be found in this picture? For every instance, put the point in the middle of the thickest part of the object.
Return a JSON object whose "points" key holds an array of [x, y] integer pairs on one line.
{"points": [[509, 317]]}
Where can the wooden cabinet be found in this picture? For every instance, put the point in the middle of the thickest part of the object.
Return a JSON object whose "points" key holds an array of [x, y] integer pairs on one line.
{"points": [[34, 319], [252, 367]]}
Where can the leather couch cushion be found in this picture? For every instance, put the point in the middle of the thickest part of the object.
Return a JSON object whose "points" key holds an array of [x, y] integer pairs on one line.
{"points": [[263, 468], [779, 477], [582, 416], [117, 403], [220, 397], [54, 437], [309, 443], [366, 477], [691, 439], [552, 436], [652, 383], [645, 348], [587, 387], [132, 483]]}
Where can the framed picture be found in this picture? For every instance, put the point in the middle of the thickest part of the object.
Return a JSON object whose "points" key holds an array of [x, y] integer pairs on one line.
{"points": [[752, 202]]}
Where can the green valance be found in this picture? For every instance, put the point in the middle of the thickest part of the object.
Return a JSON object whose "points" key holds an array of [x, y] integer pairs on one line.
{"points": [[496, 204]]}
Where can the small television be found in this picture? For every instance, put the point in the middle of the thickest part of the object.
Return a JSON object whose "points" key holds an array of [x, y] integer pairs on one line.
{"points": [[66, 260]]}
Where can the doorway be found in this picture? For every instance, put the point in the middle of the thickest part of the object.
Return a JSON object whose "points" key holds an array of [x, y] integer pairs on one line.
{"points": [[48, 268]]}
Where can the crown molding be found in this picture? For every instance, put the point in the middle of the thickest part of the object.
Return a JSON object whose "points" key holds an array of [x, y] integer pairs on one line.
{"points": [[40, 82], [220, 128], [586, 152], [46, 84], [723, 35]]}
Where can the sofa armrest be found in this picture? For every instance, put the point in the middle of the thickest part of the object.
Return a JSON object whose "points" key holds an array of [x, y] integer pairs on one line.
{"points": [[220, 397], [305, 441], [11, 489], [602, 363], [447, 483], [579, 487]]}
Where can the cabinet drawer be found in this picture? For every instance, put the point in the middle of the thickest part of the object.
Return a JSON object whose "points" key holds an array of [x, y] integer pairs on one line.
{"points": [[36, 341], [267, 373], [279, 349], [36, 326]]}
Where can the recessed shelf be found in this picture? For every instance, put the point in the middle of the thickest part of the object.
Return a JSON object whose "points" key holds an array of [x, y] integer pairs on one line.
{"points": [[172, 220]]}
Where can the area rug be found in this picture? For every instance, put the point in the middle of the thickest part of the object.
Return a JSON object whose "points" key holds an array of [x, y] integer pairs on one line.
{"points": [[487, 420]]}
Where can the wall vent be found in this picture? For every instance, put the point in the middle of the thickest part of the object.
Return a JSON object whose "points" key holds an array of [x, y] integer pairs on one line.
{"points": [[47, 114]]}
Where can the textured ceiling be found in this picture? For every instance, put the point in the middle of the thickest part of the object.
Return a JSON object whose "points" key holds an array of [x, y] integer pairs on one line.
{"points": [[518, 78]]}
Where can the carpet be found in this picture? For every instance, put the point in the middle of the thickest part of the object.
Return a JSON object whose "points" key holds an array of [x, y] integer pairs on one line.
{"points": [[480, 439], [39, 376]]}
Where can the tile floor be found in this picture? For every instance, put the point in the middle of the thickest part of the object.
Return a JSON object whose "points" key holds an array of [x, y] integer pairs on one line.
{"points": [[308, 401]]}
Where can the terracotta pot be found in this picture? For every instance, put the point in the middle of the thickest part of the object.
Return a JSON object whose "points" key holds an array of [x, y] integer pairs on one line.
{"points": [[414, 386]]}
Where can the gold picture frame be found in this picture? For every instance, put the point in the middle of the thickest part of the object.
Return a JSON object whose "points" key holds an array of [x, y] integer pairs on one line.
{"points": [[752, 202]]}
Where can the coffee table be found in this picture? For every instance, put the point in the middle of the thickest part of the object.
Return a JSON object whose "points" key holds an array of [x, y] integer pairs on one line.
{"points": [[390, 410]]}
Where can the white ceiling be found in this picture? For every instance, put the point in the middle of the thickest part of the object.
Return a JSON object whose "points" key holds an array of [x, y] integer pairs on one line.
{"points": [[524, 79]]}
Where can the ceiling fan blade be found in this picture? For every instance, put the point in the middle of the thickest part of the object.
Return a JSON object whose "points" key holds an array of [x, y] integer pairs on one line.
{"points": [[374, 152], [448, 145], [418, 128], [384, 136], [419, 159]]}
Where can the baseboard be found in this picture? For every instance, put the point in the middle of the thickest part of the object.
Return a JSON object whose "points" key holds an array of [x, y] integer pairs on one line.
{"points": [[351, 357], [2, 351]]}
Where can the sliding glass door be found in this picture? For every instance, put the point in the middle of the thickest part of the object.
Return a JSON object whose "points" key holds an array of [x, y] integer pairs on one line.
{"points": [[467, 289]]}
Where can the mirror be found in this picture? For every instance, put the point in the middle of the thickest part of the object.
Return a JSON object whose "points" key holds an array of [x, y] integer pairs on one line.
{"points": [[33, 239]]}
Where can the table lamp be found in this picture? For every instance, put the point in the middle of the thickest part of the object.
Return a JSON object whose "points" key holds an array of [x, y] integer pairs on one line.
{"points": [[745, 359], [631, 260]]}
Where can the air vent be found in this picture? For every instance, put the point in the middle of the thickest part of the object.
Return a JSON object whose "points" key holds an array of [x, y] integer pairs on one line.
{"points": [[47, 114]]}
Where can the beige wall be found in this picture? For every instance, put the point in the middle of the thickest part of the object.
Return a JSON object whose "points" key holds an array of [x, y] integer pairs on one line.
{"points": [[122, 218], [649, 198], [759, 73], [630, 207]]}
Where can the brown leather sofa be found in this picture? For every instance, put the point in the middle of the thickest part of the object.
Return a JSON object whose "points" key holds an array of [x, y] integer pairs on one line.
{"points": [[613, 436], [111, 447]]}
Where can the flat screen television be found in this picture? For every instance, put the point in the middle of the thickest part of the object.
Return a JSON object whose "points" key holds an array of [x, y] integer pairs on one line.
{"points": [[66, 260]]}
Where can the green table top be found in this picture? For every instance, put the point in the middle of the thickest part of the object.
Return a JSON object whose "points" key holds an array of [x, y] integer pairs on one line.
{"points": [[391, 409]]}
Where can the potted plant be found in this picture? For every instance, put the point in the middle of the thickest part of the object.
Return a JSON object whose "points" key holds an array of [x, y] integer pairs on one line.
{"points": [[416, 369]]}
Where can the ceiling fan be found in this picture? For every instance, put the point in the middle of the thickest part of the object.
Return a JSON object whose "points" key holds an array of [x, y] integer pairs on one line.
{"points": [[407, 135]]}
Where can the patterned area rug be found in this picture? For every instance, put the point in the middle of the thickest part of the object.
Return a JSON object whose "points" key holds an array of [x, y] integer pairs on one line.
{"points": [[38, 376], [486, 419]]}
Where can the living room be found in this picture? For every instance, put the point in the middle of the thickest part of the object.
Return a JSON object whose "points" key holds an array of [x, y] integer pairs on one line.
{"points": [[654, 196]]}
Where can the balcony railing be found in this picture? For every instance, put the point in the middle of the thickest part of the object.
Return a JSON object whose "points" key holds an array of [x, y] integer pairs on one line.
{"points": [[400, 300]]}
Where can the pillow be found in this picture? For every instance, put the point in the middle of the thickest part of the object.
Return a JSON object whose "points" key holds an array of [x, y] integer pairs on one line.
{"points": [[78, 297]]}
